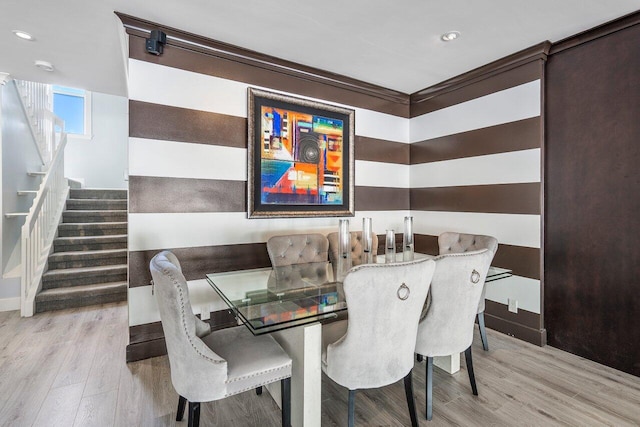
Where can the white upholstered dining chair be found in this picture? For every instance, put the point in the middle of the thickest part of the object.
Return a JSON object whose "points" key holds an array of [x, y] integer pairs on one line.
{"points": [[207, 366], [297, 249], [447, 328], [455, 243], [385, 302]]}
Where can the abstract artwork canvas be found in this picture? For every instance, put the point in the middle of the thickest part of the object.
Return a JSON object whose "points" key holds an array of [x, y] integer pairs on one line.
{"points": [[300, 160]]}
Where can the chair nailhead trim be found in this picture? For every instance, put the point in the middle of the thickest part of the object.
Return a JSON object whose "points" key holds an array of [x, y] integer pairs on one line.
{"points": [[261, 373]]}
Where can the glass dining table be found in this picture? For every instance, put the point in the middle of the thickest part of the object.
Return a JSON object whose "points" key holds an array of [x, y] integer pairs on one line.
{"points": [[292, 303], [271, 299]]}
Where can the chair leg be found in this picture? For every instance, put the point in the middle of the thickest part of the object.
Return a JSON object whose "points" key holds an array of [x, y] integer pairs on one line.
{"points": [[472, 377], [483, 332], [408, 390], [194, 414], [429, 380], [352, 407], [182, 402], [419, 357], [285, 388], [259, 391]]}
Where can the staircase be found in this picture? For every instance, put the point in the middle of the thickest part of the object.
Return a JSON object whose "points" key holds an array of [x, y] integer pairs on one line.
{"points": [[89, 260]]}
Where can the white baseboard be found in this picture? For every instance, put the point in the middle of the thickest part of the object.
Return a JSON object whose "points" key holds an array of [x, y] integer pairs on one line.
{"points": [[9, 304]]}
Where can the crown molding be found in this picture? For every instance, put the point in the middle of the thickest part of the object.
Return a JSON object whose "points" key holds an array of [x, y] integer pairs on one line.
{"points": [[534, 53], [596, 32], [179, 38]]}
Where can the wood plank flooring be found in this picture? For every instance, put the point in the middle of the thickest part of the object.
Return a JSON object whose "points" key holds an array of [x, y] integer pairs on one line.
{"points": [[67, 368]]}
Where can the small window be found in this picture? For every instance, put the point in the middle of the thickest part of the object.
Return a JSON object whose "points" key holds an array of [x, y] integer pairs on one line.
{"points": [[74, 107]]}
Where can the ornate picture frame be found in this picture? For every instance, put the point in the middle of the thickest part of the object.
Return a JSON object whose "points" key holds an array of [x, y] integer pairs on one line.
{"points": [[300, 157]]}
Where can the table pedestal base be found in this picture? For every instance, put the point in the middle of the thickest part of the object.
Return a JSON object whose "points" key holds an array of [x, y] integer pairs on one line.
{"points": [[450, 364], [303, 345]]}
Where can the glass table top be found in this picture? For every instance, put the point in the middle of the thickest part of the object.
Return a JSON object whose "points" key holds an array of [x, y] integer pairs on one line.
{"points": [[272, 299]]}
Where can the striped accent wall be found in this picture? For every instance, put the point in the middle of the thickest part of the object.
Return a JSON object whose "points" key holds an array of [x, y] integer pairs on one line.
{"points": [[468, 160], [188, 179], [476, 168]]}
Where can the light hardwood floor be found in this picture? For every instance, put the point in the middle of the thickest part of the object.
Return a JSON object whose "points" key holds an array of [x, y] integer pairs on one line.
{"points": [[67, 368]]}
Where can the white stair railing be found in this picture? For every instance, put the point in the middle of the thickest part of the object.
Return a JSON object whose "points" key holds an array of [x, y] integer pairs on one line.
{"points": [[37, 101], [39, 229]]}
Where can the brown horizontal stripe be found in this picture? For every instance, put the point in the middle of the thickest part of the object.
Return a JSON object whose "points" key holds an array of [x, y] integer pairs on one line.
{"points": [[521, 198], [378, 150], [197, 262], [266, 72], [520, 135], [426, 244], [152, 194], [147, 340], [381, 199], [522, 260], [513, 70], [156, 121], [513, 324]]}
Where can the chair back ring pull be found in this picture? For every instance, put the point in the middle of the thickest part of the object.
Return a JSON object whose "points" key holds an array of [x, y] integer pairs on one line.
{"points": [[403, 292], [475, 276]]}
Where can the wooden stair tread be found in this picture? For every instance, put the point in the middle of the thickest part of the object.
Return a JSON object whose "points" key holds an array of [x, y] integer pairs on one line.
{"points": [[73, 292]]}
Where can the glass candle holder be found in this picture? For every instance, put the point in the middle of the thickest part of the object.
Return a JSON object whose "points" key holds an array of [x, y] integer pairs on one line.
{"points": [[344, 250], [367, 241], [390, 247], [407, 239]]}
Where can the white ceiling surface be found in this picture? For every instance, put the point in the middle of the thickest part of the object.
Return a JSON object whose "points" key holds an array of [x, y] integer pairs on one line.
{"points": [[394, 44]]}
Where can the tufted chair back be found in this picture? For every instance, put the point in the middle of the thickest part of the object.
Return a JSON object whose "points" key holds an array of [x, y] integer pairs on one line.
{"points": [[197, 373], [357, 253], [297, 249], [457, 243], [455, 292], [384, 303]]}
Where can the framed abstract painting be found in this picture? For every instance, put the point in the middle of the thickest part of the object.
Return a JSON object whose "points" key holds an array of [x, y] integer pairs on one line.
{"points": [[300, 157]]}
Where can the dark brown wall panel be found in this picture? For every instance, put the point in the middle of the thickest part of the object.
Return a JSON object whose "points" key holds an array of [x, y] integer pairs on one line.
{"points": [[520, 135], [524, 325], [292, 81], [500, 198], [426, 244], [592, 183], [381, 199], [196, 262], [164, 122], [379, 150], [152, 194]]}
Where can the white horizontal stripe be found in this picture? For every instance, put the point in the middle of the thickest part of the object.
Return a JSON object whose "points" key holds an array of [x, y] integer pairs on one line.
{"points": [[377, 174], [509, 105], [519, 230], [186, 89], [503, 168], [526, 291], [150, 157], [177, 230], [143, 307], [381, 126]]}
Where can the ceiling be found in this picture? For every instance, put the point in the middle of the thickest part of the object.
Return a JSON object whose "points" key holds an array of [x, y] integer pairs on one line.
{"points": [[394, 44]]}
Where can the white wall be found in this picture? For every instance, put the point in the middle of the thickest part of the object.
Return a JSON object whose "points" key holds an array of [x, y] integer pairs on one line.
{"points": [[19, 155], [102, 161]]}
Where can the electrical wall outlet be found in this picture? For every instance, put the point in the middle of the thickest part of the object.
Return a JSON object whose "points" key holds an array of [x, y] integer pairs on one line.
{"points": [[513, 305]]}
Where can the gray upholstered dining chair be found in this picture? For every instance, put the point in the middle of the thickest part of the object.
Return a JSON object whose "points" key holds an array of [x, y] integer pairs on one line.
{"points": [[448, 326], [297, 249], [357, 250], [385, 302], [453, 243], [210, 366]]}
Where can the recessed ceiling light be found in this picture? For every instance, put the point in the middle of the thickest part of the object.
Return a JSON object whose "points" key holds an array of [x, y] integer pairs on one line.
{"points": [[449, 36], [44, 65], [23, 35]]}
